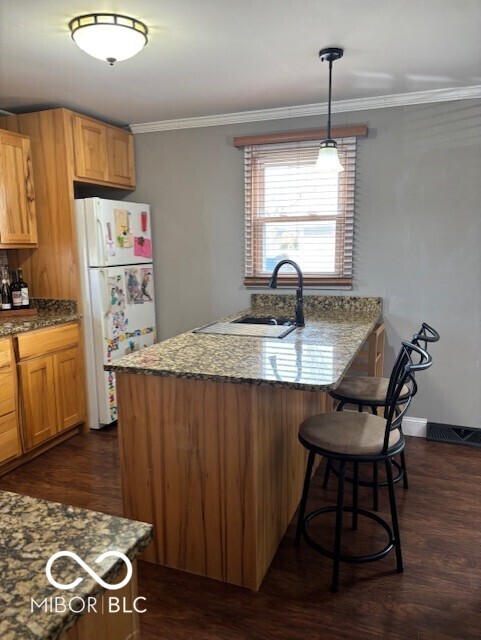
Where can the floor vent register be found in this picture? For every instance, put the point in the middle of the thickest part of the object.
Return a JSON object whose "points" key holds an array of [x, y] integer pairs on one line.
{"points": [[438, 432]]}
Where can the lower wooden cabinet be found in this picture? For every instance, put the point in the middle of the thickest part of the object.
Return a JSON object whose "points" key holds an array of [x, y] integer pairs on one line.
{"points": [[39, 409], [52, 391], [7, 391], [10, 443], [69, 388], [10, 446], [370, 360]]}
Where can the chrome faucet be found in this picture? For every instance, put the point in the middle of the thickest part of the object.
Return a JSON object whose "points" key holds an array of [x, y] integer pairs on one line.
{"points": [[299, 304]]}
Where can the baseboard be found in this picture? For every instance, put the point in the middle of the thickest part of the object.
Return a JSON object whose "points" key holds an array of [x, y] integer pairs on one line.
{"points": [[415, 427]]}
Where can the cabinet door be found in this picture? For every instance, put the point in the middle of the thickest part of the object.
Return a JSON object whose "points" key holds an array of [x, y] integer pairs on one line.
{"points": [[10, 446], [18, 225], [120, 150], [7, 391], [69, 386], [90, 142], [39, 407]]}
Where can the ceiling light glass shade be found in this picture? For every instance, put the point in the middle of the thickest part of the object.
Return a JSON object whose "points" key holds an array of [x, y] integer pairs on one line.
{"points": [[328, 158], [108, 36]]}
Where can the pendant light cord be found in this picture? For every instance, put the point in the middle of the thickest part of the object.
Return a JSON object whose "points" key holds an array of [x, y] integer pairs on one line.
{"points": [[329, 103]]}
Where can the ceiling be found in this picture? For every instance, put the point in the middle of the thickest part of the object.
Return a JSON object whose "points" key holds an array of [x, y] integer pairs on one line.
{"points": [[221, 56]]}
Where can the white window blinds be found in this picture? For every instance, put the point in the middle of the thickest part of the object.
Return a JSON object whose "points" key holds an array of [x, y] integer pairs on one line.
{"points": [[293, 211]]}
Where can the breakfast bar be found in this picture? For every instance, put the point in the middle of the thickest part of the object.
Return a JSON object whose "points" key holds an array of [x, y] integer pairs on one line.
{"points": [[208, 432]]}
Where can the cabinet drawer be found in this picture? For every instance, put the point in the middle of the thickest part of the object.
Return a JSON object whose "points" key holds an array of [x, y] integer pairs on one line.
{"points": [[44, 341], [7, 391], [9, 437], [5, 352]]}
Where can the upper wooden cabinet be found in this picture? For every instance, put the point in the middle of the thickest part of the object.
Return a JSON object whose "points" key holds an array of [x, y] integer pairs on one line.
{"points": [[90, 146], [18, 224], [120, 156], [103, 153], [69, 150]]}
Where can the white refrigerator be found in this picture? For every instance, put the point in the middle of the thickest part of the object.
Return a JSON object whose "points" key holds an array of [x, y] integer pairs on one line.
{"points": [[117, 288]]}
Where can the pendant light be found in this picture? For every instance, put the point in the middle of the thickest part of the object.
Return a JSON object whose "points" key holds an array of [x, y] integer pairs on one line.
{"points": [[328, 159], [109, 36]]}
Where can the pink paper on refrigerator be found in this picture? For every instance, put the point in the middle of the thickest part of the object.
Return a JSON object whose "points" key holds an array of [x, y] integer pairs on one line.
{"points": [[142, 247]]}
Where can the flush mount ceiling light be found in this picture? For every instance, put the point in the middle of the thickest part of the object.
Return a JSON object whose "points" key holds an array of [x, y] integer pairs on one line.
{"points": [[109, 36], [328, 159]]}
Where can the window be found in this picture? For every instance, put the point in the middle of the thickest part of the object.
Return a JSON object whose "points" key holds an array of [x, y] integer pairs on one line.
{"points": [[293, 211]]}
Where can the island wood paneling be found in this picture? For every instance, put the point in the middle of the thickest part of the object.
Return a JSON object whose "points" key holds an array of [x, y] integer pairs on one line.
{"points": [[105, 625], [216, 467], [280, 462]]}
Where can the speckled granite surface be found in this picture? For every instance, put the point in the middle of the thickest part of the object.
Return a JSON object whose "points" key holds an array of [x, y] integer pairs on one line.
{"points": [[33, 530], [285, 303], [312, 358], [50, 313], [54, 305]]}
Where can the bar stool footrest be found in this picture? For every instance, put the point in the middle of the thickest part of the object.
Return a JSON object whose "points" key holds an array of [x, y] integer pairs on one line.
{"points": [[348, 558]]}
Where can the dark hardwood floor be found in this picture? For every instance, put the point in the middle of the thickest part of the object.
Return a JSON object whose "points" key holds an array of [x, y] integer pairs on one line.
{"points": [[438, 597]]}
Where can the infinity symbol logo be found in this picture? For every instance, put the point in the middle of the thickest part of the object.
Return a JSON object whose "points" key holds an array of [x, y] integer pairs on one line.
{"points": [[92, 574]]}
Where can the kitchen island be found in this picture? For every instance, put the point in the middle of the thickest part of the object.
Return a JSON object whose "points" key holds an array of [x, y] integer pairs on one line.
{"points": [[208, 432]]}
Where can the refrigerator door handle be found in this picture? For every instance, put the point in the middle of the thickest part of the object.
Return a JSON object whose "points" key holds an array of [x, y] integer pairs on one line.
{"points": [[102, 240], [106, 294]]}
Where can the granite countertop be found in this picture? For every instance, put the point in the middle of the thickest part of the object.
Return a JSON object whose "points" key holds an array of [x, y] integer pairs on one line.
{"points": [[311, 358], [32, 530], [50, 313]]}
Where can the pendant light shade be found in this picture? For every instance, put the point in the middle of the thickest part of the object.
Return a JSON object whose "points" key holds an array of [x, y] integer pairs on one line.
{"points": [[328, 158], [108, 36]]}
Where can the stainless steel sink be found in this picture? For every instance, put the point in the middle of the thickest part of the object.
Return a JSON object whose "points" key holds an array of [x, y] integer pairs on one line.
{"points": [[240, 327], [283, 321]]}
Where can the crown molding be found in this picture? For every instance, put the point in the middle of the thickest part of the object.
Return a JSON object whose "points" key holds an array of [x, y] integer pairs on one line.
{"points": [[357, 104]]}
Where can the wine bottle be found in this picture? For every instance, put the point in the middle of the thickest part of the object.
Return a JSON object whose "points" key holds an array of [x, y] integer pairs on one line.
{"points": [[5, 294], [16, 292], [24, 290]]}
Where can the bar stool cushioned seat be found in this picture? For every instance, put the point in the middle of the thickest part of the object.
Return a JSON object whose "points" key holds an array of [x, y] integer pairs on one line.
{"points": [[365, 389], [369, 391], [357, 434]]}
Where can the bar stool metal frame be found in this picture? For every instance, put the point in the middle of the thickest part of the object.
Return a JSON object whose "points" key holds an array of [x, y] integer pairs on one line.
{"points": [[402, 375], [426, 334]]}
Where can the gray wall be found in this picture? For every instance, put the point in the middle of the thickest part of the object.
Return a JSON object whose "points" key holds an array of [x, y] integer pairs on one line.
{"points": [[418, 230]]}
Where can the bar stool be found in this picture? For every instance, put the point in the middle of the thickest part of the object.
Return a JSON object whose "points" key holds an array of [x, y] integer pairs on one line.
{"points": [[357, 438], [368, 391]]}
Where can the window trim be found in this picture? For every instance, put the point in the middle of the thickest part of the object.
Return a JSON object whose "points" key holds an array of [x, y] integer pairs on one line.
{"points": [[353, 131], [341, 281]]}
